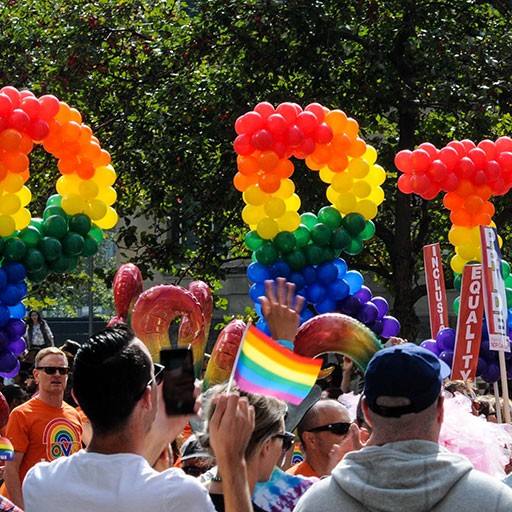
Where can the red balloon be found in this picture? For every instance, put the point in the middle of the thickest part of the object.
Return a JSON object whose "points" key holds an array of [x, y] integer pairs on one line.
{"points": [[493, 170], [465, 168], [264, 109], [307, 147], [276, 124], [420, 183], [294, 136], [499, 187], [431, 192], [5, 105], [468, 145], [243, 145], [420, 160], [49, 107], [18, 120], [404, 183], [288, 111], [13, 94], [458, 146], [38, 129], [450, 183], [430, 149], [403, 160], [449, 156], [504, 144], [480, 178], [317, 109], [262, 140], [250, 123], [280, 148], [489, 148], [479, 157], [307, 122], [31, 106], [438, 171], [505, 160], [323, 134]]}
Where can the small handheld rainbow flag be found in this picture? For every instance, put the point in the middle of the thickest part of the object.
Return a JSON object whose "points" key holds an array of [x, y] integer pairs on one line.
{"points": [[267, 368], [6, 449]]}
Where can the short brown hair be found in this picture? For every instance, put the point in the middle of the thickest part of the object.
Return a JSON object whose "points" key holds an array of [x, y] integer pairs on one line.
{"points": [[47, 351]]}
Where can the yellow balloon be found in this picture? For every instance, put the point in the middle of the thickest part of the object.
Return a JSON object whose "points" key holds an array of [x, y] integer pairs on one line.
{"points": [[255, 196], [68, 185], [275, 207], [95, 209], [267, 228], [342, 182], [370, 154], [367, 208], [12, 183], [331, 194], [358, 168], [88, 190], [290, 221], [109, 220], [9, 204], [326, 175], [475, 236], [7, 225], [25, 196], [468, 251], [293, 203], [107, 195], [377, 195], [500, 241], [457, 263], [377, 175], [458, 235], [72, 204], [345, 203], [104, 176], [22, 218], [361, 189], [286, 189], [253, 214]]}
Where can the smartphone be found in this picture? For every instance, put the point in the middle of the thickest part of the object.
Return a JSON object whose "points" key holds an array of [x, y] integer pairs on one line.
{"points": [[178, 384]]}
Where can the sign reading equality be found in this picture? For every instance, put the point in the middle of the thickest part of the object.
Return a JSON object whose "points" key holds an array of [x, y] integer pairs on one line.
{"points": [[469, 325], [436, 292]]}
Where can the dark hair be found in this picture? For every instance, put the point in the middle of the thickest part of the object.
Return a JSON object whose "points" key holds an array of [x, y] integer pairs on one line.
{"points": [[110, 373], [39, 317], [13, 392]]}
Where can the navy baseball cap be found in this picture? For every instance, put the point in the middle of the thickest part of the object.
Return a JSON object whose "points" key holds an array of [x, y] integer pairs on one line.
{"points": [[408, 371]]}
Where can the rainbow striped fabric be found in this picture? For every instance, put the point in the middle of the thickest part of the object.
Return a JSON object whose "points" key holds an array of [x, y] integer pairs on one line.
{"points": [[6, 449], [267, 368]]}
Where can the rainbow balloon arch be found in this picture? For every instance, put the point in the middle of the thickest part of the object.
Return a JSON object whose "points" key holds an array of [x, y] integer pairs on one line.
{"points": [[74, 219]]}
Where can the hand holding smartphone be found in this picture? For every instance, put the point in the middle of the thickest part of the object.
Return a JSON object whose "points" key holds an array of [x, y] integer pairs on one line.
{"points": [[178, 384]]}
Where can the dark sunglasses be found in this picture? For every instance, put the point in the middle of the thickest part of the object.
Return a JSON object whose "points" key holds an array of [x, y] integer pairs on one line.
{"points": [[288, 439], [158, 377], [340, 428], [51, 370]]}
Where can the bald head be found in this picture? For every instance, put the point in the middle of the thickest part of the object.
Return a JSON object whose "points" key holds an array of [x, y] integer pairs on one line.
{"points": [[322, 413]]}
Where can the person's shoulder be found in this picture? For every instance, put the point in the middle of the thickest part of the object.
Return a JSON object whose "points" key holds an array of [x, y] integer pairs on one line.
{"points": [[185, 489], [323, 495], [24, 409]]}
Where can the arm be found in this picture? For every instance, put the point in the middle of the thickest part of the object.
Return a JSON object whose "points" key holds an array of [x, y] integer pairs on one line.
{"points": [[281, 310], [12, 479], [348, 365], [233, 414]]}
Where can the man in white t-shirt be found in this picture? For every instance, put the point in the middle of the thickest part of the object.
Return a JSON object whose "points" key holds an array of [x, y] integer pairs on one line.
{"points": [[116, 387]]}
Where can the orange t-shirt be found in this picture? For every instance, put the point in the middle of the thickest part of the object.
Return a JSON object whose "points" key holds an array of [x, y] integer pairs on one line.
{"points": [[43, 432], [302, 468]]}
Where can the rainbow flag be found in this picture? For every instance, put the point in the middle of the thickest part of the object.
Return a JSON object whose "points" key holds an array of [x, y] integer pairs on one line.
{"points": [[267, 368], [6, 449]]}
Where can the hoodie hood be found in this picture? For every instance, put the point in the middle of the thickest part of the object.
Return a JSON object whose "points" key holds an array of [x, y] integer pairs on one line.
{"points": [[416, 474]]}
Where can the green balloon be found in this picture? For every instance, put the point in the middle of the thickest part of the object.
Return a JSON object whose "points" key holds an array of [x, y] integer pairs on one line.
{"points": [[296, 260], [266, 254], [355, 223], [38, 224], [355, 246], [302, 236], [14, 249], [314, 254], [329, 216], [321, 234], [90, 246], [50, 247], [508, 292], [37, 276], [506, 268], [60, 265], [80, 223], [73, 244], [53, 210], [340, 239], [54, 200], [73, 262], [457, 281], [508, 282], [253, 241], [456, 305], [1, 244], [284, 241], [328, 254], [30, 236], [33, 260], [55, 226], [368, 231], [96, 233], [309, 220]]}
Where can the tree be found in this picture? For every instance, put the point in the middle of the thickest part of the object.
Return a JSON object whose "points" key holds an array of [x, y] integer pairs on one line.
{"points": [[163, 84]]}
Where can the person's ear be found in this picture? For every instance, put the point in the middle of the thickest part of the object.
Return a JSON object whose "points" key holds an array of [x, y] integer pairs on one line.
{"points": [[35, 375], [364, 406], [308, 438], [440, 409]]}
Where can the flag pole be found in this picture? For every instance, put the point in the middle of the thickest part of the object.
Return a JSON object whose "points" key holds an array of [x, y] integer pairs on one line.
{"points": [[504, 387], [233, 370]]}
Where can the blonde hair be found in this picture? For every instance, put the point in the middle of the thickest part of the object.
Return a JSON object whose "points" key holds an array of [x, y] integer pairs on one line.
{"points": [[47, 351]]}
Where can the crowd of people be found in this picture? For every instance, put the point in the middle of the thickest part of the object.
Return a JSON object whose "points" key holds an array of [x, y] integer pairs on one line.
{"points": [[90, 432]]}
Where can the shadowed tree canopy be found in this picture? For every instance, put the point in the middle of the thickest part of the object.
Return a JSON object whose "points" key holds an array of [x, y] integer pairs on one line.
{"points": [[161, 83]]}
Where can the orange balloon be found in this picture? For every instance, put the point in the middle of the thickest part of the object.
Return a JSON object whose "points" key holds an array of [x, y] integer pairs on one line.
{"points": [[357, 148], [322, 154], [488, 208], [242, 183], [284, 169], [269, 183], [460, 217], [26, 145], [70, 131], [351, 128], [336, 119], [55, 128], [25, 175], [338, 162], [485, 192], [103, 160], [473, 204], [267, 160], [85, 135], [453, 201], [15, 161], [341, 143], [3, 171], [68, 165], [465, 188], [75, 116], [64, 114], [90, 151], [312, 164], [247, 165], [482, 218], [10, 140]]}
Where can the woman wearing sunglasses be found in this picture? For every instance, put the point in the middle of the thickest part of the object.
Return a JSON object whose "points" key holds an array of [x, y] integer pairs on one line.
{"points": [[268, 442]]}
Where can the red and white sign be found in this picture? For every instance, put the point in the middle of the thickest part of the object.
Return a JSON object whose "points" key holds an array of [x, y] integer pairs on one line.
{"points": [[495, 299], [469, 324], [437, 304]]}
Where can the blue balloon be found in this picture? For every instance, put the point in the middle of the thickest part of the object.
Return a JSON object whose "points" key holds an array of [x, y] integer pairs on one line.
{"points": [[4, 315], [22, 286], [298, 279], [326, 306], [18, 311], [257, 308], [15, 271], [309, 274], [257, 272], [256, 291], [279, 269], [263, 327], [338, 289], [326, 273], [10, 295], [349, 305], [315, 293], [305, 315], [355, 280], [341, 266], [3, 278]]}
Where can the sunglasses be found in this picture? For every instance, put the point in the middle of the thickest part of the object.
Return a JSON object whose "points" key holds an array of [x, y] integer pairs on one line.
{"points": [[158, 377], [288, 439], [340, 428], [52, 370]]}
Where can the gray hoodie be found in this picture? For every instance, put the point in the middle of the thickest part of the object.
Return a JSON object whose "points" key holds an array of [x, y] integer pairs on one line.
{"points": [[413, 476]]}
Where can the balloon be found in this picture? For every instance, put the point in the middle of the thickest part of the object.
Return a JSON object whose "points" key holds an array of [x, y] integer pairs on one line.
{"points": [[368, 313], [364, 294], [315, 293], [446, 339], [18, 311], [17, 346], [326, 273], [382, 306], [492, 373], [257, 272], [15, 328], [390, 326], [430, 345], [354, 279], [447, 357]]}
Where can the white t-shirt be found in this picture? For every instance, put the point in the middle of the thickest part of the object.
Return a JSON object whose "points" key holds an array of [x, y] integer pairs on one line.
{"points": [[123, 482]]}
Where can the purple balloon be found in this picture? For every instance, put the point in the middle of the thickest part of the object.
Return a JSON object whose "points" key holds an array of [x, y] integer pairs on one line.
{"points": [[367, 313], [390, 326], [382, 305], [349, 306], [486, 353], [481, 367], [4, 340], [447, 357], [7, 361], [509, 373], [17, 347], [446, 339], [430, 345], [13, 372], [364, 294], [492, 374], [15, 328], [376, 327]]}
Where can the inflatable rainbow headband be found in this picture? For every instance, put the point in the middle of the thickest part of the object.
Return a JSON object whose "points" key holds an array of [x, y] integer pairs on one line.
{"points": [[73, 220], [6, 449]]}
